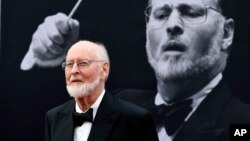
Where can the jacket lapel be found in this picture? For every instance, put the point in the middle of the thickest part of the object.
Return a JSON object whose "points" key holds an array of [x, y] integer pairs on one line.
{"points": [[202, 125], [65, 121], [105, 119]]}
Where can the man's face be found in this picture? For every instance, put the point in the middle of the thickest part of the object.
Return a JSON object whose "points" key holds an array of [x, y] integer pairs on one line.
{"points": [[183, 38], [81, 80]]}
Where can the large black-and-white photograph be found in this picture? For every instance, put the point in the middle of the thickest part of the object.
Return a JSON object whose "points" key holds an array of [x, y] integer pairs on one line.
{"points": [[175, 69]]}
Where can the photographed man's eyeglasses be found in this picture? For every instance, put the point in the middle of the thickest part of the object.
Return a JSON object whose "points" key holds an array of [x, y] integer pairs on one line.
{"points": [[190, 14], [81, 64]]}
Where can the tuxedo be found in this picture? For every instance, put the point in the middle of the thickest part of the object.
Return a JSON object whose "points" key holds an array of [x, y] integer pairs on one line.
{"points": [[210, 121], [116, 120]]}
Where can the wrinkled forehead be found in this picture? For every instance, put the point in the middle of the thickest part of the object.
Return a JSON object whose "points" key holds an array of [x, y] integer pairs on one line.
{"points": [[175, 3], [83, 50]]}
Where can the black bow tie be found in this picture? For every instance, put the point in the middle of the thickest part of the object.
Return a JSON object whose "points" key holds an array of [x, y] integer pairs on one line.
{"points": [[171, 116], [80, 118]]}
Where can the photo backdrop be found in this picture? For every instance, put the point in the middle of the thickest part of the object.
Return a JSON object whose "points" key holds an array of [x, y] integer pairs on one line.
{"points": [[120, 25]]}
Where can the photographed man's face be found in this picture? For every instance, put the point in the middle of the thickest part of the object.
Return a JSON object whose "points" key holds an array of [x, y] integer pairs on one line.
{"points": [[81, 80], [184, 37]]}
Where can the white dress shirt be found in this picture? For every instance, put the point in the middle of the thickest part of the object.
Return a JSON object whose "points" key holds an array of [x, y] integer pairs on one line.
{"points": [[81, 133], [197, 99]]}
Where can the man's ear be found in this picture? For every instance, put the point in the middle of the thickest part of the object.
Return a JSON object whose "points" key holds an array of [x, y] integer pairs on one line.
{"points": [[228, 34], [106, 68]]}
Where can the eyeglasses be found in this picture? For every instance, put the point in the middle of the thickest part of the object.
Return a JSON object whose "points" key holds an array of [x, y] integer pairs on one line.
{"points": [[189, 14], [81, 64]]}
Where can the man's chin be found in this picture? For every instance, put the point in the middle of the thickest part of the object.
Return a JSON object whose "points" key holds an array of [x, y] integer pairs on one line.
{"points": [[79, 90], [173, 69], [76, 90]]}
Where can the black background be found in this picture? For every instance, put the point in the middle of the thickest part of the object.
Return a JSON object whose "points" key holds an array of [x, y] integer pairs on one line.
{"points": [[120, 25]]}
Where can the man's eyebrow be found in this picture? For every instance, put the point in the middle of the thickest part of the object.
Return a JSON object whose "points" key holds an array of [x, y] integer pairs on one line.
{"points": [[179, 6], [76, 60], [69, 61], [162, 7], [195, 5]]}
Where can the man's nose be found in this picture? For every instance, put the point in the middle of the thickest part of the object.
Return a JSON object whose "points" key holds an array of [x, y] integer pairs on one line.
{"points": [[75, 69], [174, 24]]}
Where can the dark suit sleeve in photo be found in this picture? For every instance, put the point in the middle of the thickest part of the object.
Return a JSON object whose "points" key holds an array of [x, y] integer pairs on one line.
{"points": [[116, 120]]}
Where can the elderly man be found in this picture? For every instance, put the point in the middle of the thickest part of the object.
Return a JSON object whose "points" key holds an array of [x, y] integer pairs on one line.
{"points": [[94, 115], [188, 43]]}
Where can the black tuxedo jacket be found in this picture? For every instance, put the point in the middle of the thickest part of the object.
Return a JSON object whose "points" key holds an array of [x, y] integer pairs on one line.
{"points": [[116, 120], [210, 121]]}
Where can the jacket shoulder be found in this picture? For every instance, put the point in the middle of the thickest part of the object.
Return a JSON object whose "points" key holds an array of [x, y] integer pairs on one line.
{"points": [[61, 107]]}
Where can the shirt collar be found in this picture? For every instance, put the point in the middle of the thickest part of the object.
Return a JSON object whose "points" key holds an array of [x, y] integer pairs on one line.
{"points": [[94, 106]]}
